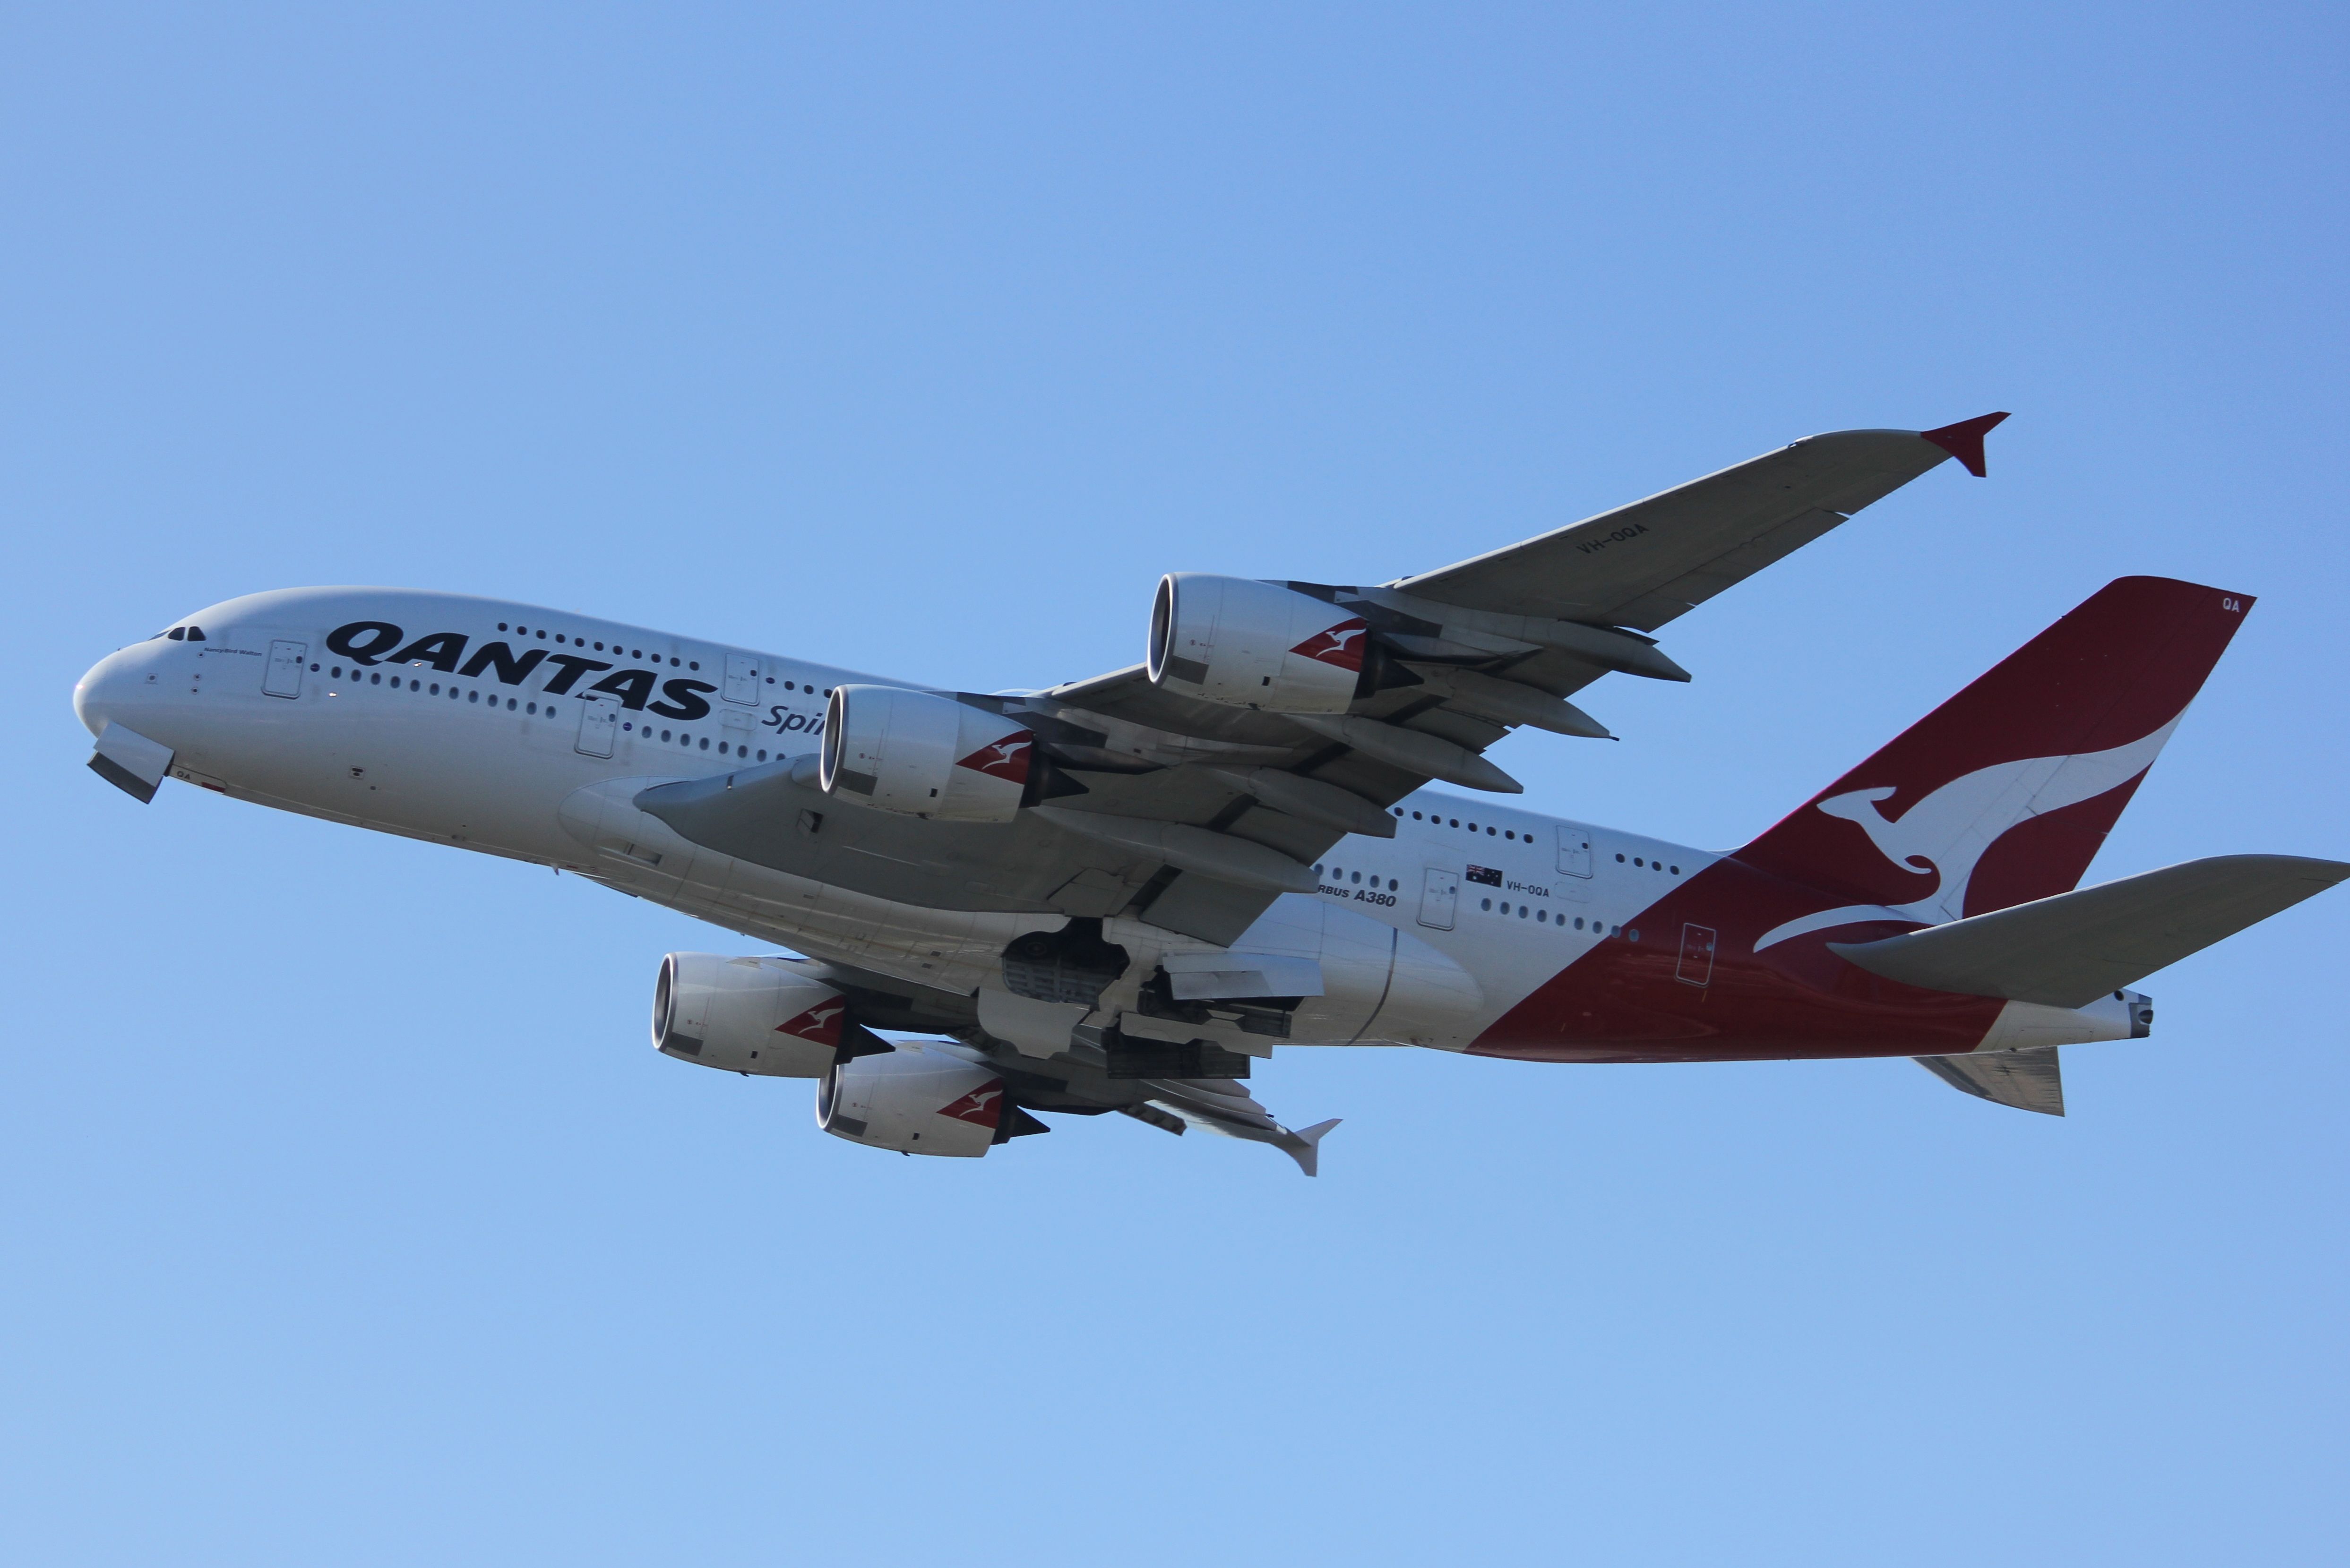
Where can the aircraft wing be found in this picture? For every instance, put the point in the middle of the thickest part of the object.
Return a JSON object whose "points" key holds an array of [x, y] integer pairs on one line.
{"points": [[1193, 815], [1474, 650], [1644, 564]]}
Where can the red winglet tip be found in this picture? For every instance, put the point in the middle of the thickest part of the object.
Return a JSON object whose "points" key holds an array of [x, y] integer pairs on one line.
{"points": [[1964, 441]]}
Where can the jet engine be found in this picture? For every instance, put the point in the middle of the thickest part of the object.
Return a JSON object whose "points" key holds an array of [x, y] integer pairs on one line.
{"points": [[1253, 645], [923, 754], [918, 1099], [746, 1016]]}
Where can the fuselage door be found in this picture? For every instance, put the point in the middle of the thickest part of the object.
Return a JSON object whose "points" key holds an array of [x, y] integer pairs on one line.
{"points": [[1439, 898], [284, 676], [1696, 966], [600, 725], [1574, 850], [742, 677]]}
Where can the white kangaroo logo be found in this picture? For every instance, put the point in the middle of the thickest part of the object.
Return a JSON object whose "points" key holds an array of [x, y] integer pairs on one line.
{"points": [[1947, 832], [811, 1023], [1006, 752], [1324, 644], [973, 1107]]}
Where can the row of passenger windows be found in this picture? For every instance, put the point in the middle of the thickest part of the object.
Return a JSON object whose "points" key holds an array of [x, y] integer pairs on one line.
{"points": [[1543, 917], [637, 653], [582, 642], [433, 690], [1455, 822], [1511, 833]]}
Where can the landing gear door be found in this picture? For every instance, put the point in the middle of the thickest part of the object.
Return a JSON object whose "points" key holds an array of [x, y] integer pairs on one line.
{"points": [[1439, 898], [599, 724], [284, 676]]}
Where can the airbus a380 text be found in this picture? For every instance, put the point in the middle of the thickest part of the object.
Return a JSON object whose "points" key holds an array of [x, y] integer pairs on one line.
{"points": [[1123, 894]]}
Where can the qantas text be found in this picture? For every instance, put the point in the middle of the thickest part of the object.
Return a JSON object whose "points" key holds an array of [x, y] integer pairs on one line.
{"points": [[374, 642]]}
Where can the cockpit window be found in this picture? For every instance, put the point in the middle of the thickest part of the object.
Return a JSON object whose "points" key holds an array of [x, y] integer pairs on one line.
{"points": [[195, 634], [176, 633]]}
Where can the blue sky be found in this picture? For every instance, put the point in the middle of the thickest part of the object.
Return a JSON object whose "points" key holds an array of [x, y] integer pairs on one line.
{"points": [[349, 1216]]}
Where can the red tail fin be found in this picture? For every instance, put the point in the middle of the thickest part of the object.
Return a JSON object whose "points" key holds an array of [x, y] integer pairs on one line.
{"points": [[2003, 794]]}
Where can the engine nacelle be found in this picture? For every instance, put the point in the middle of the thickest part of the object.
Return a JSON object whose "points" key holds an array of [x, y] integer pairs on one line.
{"points": [[1253, 645], [923, 754], [918, 1099], [746, 1016]]}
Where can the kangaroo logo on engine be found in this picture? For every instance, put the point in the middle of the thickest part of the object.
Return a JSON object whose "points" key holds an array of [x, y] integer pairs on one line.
{"points": [[1341, 645], [1004, 759]]}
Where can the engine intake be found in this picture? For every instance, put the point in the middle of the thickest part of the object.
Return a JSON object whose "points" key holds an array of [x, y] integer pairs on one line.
{"points": [[918, 1099], [924, 756], [746, 1016], [1253, 645]]}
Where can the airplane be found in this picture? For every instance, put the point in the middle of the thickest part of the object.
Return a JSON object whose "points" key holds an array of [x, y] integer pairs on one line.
{"points": [[1122, 894]]}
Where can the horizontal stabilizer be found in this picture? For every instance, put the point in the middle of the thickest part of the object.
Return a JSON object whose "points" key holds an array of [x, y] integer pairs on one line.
{"points": [[2068, 951], [2029, 1080]]}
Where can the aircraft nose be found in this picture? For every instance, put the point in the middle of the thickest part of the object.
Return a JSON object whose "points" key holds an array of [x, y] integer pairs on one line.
{"points": [[108, 691]]}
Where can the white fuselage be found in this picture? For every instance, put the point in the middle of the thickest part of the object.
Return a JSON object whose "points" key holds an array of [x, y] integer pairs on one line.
{"points": [[1424, 939]]}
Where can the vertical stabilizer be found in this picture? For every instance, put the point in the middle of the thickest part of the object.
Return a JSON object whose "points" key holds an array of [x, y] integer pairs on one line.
{"points": [[2004, 793]]}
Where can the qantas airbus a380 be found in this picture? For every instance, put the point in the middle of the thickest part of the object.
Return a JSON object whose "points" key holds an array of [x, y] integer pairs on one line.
{"points": [[1119, 894]]}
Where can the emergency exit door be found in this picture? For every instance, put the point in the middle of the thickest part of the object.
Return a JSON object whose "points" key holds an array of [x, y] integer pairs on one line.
{"points": [[742, 684], [1574, 850], [284, 676], [1439, 899], [1696, 966], [599, 725]]}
